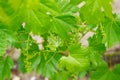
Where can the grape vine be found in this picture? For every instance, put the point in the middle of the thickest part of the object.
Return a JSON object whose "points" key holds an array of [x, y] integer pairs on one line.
{"points": [[49, 33]]}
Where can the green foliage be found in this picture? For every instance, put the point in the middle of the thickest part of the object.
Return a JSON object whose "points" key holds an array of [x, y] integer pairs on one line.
{"points": [[5, 66], [48, 64], [77, 61], [61, 24], [103, 73], [112, 30], [61, 75], [3, 44], [92, 9], [5, 39], [96, 42]]}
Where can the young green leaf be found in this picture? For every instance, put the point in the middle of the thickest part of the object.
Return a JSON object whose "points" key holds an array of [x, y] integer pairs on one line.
{"points": [[103, 73], [5, 68], [112, 30], [92, 9]]}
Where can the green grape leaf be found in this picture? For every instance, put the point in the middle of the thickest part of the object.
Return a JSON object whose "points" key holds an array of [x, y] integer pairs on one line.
{"points": [[24, 10], [68, 20], [61, 75], [3, 44], [95, 58], [48, 64], [36, 15], [73, 65], [5, 66], [103, 73], [5, 40], [46, 69], [112, 30], [68, 6], [96, 42], [63, 25], [21, 64], [35, 62], [92, 9], [61, 29], [77, 61]]}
